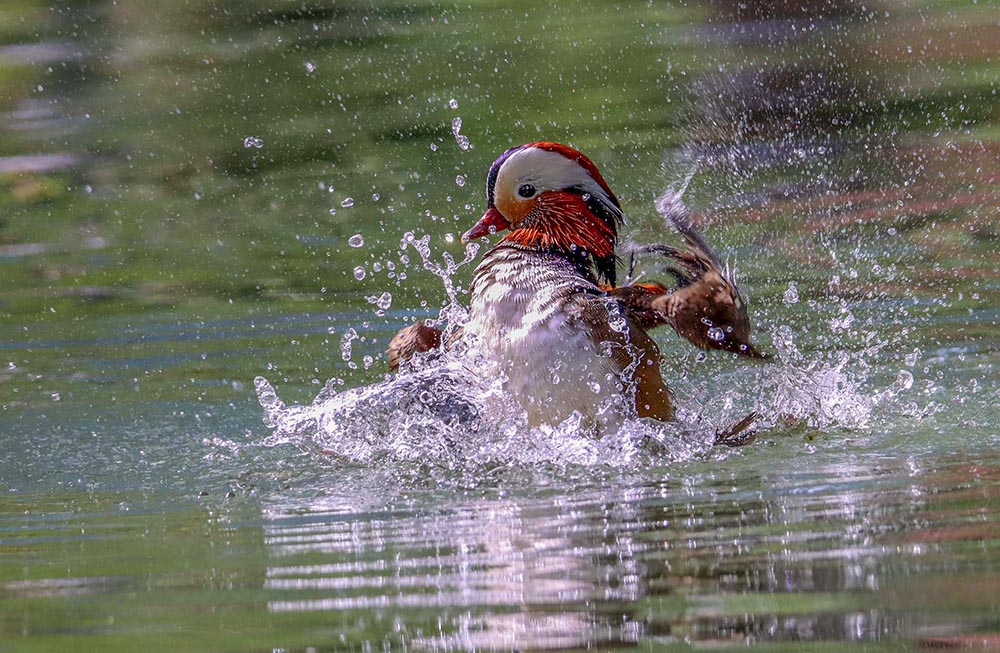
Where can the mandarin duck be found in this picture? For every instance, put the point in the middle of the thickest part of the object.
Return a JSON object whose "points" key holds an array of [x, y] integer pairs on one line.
{"points": [[545, 309]]}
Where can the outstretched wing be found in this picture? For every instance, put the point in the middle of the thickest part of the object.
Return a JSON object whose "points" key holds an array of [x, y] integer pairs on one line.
{"points": [[707, 307]]}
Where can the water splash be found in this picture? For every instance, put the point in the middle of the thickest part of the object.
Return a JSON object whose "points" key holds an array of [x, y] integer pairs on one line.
{"points": [[821, 394], [441, 410], [454, 313], [448, 415], [791, 295]]}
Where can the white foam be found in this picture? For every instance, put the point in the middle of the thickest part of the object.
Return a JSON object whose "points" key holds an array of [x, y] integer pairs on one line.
{"points": [[445, 410]]}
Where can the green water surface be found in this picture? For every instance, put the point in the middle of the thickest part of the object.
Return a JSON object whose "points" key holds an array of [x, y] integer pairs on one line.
{"points": [[196, 193]]}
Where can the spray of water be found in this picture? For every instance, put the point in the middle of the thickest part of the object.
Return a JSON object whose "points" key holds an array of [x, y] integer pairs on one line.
{"points": [[441, 410]]}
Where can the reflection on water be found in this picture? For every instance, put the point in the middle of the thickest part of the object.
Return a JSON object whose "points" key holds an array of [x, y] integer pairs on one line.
{"points": [[824, 556], [864, 549]]}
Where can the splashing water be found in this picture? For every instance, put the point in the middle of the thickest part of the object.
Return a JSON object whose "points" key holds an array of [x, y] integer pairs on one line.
{"points": [[817, 393], [454, 313], [449, 415], [791, 295], [442, 410]]}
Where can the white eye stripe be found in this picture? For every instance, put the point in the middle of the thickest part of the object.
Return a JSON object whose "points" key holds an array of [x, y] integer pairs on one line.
{"points": [[544, 170]]}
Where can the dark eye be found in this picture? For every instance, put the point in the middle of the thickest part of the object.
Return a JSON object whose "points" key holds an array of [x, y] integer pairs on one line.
{"points": [[526, 191]]}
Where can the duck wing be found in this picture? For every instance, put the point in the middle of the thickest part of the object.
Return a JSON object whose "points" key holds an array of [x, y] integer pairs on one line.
{"points": [[416, 338], [706, 307], [633, 355]]}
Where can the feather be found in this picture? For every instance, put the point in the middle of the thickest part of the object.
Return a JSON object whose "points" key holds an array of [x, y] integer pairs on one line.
{"points": [[634, 356], [412, 340], [707, 307]]}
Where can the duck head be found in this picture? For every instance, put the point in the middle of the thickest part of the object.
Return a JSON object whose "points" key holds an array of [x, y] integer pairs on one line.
{"points": [[550, 196]]}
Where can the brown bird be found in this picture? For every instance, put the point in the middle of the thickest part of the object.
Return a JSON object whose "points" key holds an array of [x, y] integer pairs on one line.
{"points": [[545, 312]]}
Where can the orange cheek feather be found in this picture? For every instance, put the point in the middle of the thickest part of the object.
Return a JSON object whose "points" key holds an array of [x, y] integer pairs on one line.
{"points": [[563, 220], [514, 209]]}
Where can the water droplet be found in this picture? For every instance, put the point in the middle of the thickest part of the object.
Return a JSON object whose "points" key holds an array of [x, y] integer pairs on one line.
{"points": [[310, 67], [791, 294], [383, 301], [716, 334], [456, 129], [784, 342], [359, 273], [357, 240], [616, 321], [904, 379], [347, 202], [460, 180], [434, 147], [453, 103], [253, 141], [345, 344], [912, 357]]}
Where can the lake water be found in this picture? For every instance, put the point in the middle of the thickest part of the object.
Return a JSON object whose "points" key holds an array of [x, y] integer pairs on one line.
{"points": [[194, 195]]}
